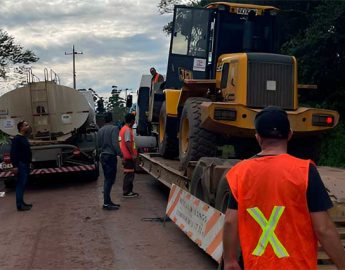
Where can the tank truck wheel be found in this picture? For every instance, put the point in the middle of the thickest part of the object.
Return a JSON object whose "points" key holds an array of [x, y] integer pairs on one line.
{"points": [[194, 141], [223, 194], [168, 145]]}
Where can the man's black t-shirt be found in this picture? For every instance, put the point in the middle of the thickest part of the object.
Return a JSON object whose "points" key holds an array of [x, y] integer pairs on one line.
{"points": [[317, 196]]}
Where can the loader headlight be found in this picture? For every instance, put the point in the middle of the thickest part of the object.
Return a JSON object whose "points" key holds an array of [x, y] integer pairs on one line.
{"points": [[225, 114], [323, 120]]}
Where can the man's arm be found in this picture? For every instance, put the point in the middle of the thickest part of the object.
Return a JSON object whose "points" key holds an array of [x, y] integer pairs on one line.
{"points": [[231, 241], [99, 138], [115, 141], [128, 145], [328, 236], [14, 154], [127, 136]]}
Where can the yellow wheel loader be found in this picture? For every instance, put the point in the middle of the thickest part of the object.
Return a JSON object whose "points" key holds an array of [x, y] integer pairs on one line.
{"points": [[222, 70]]}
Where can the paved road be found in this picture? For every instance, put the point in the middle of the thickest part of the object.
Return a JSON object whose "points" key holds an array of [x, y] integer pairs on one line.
{"points": [[67, 229]]}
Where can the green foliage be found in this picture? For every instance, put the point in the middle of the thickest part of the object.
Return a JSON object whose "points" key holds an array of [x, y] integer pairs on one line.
{"points": [[333, 146], [3, 138], [227, 151], [11, 53], [116, 104], [320, 51]]}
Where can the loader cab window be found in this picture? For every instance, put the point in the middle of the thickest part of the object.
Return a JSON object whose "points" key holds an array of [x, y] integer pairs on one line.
{"points": [[190, 32], [245, 33], [259, 33]]}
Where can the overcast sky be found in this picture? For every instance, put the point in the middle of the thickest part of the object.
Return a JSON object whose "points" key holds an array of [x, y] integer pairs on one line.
{"points": [[120, 39]]}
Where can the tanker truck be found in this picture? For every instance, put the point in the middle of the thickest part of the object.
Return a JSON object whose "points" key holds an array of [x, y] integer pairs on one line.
{"points": [[63, 138]]}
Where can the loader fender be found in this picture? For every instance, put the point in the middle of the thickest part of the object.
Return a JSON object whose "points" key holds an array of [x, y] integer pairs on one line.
{"points": [[172, 97]]}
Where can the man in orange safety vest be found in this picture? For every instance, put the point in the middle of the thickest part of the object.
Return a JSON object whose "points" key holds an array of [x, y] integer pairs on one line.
{"points": [[156, 78], [278, 205]]}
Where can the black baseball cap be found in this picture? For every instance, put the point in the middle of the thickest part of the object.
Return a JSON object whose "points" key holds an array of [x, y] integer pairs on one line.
{"points": [[272, 122]]}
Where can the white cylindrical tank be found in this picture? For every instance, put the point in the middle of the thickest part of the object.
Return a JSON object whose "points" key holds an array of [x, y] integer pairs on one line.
{"points": [[53, 111]]}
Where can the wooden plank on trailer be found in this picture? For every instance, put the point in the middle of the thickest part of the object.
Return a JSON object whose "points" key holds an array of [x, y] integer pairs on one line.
{"points": [[322, 255], [326, 267]]}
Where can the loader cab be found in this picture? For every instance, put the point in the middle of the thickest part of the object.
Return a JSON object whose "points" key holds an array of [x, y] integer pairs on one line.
{"points": [[200, 35]]}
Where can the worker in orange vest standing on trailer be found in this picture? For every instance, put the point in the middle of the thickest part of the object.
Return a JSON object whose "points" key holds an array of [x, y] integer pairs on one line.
{"points": [[278, 205], [156, 78]]}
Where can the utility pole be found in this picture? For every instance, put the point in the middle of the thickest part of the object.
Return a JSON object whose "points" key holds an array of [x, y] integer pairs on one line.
{"points": [[74, 53]]}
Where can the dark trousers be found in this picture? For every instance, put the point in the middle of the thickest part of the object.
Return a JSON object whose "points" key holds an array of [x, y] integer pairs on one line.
{"points": [[22, 179], [109, 165], [128, 169]]}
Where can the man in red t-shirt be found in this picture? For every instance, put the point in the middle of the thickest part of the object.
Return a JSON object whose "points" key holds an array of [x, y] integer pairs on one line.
{"points": [[129, 153]]}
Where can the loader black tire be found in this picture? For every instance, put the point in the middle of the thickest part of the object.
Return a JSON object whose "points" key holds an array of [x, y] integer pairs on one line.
{"points": [[223, 194], [167, 143], [194, 141]]}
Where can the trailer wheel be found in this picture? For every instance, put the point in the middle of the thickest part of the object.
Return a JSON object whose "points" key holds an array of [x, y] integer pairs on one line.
{"points": [[194, 141], [200, 185], [197, 187], [168, 141], [223, 194]]}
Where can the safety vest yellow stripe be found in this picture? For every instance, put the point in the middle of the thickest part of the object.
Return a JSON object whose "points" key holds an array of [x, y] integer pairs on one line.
{"points": [[268, 235]]}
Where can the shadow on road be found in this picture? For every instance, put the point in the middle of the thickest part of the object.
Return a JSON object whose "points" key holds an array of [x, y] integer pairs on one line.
{"points": [[50, 182]]}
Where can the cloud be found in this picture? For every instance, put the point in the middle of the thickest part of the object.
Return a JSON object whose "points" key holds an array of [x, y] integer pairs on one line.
{"points": [[120, 40]]}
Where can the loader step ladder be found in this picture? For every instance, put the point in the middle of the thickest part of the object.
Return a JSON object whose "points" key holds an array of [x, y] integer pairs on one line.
{"points": [[40, 111]]}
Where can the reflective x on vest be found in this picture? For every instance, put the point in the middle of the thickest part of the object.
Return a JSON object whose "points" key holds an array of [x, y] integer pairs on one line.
{"points": [[268, 235]]}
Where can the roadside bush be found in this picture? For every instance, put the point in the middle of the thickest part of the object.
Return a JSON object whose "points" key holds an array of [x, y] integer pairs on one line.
{"points": [[333, 148], [3, 138]]}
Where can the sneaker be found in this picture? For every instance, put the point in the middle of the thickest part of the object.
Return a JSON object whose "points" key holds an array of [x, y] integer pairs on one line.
{"points": [[27, 204], [130, 195], [24, 208], [115, 204], [110, 207]]}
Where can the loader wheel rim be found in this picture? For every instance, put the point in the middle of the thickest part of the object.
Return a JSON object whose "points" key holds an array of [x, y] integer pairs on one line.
{"points": [[161, 129], [185, 135]]}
